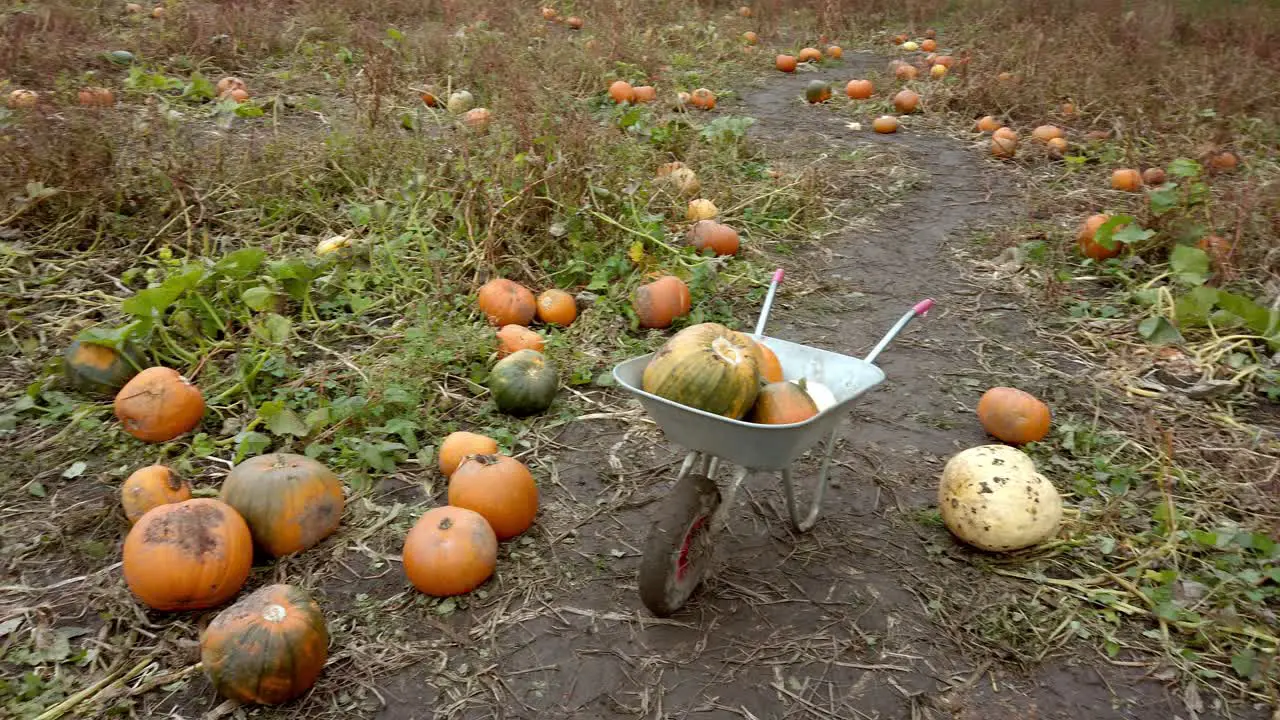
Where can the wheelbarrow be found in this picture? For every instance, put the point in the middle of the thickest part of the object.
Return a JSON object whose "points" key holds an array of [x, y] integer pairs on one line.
{"points": [[680, 546]]}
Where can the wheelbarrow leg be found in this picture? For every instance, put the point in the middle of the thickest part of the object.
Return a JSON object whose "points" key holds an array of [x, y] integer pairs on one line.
{"points": [[722, 513], [799, 523]]}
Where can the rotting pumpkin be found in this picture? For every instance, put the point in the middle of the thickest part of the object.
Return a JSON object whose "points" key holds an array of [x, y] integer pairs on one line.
{"points": [[498, 487], [716, 237], [190, 555], [659, 303], [99, 369], [150, 487], [290, 502], [267, 648]]}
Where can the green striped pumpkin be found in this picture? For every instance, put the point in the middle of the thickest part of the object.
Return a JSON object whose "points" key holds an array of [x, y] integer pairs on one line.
{"points": [[708, 367]]}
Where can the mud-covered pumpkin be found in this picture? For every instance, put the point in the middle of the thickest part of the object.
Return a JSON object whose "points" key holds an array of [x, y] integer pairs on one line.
{"points": [[782, 403], [708, 367], [449, 551], [268, 648], [99, 369], [498, 487], [523, 383], [458, 445], [291, 502], [191, 555], [1014, 416], [158, 405], [991, 497], [149, 487]]}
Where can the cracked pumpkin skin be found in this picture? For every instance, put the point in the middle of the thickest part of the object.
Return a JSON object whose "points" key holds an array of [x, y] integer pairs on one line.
{"points": [[290, 502]]}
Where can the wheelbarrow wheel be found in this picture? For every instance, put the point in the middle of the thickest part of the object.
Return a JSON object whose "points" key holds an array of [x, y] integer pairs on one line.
{"points": [[680, 548]]}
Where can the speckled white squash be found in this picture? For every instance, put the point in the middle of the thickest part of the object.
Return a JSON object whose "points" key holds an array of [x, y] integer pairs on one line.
{"points": [[821, 394], [992, 498]]}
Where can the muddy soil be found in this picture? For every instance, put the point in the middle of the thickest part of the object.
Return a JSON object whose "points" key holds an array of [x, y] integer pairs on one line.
{"points": [[841, 622]]}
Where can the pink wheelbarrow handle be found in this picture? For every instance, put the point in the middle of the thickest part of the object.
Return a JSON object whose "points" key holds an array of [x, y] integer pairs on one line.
{"points": [[919, 310]]}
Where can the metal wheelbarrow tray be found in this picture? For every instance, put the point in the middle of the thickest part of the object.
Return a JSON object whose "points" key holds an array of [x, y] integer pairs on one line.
{"points": [[679, 548]]}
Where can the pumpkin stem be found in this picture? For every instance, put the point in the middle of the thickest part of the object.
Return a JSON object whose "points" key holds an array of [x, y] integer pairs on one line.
{"points": [[274, 613], [445, 523]]}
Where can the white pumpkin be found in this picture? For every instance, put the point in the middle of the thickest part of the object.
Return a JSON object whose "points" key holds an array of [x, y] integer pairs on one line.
{"points": [[701, 209], [333, 244], [820, 394], [992, 498], [685, 181], [460, 102]]}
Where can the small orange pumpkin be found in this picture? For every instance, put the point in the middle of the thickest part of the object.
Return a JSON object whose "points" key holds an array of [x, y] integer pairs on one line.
{"points": [[645, 94], [621, 91], [1005, 132], [505, 302], [189, 555], [929, 45], [905, 72], [158, 405], [785, 63], [477, 118], [449, 551], [810, 55], [782, 403], [716, 237], [1057, 146], [291, 502], [750, 38], [1013, 416], [659, 303], [745, 11], [429, 99], [898, 39], [498, 487], [557, 307], [518, 337], [268, 648], [461, 444], [549, 13], [150, 487], [1216, 247], [770, 367], [574, 22], [859, 89], [96, 97], [1003, 146], [906, 101], [229, 83], [1153, 176], [988, 123], [1126, 179], [1045, 133], [835, 52], [885, 124], [945, 61], [703, 99], [1089, 247], [1224, 161]]}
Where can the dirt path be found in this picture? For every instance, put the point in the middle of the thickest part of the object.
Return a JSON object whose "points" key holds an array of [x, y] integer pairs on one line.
{"points": [[837, 623]]}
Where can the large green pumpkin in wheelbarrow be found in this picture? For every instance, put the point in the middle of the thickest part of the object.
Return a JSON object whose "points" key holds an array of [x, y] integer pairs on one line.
{"points": [[708, 367]]}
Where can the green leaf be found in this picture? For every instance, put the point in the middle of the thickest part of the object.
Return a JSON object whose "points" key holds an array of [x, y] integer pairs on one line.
{"points": [[446, 606], [1184, 167], [1245, 663], [199, 88], [274, 329], [1164, 199], [1189, 264], [248, 110], [1193, 308], [1259, 319], [1159, 331], [280, 420], [241, 263], [36, 488], [1132, 233], [258, 298], [153, 302], [76, 470], [202, 445], [250, 443]]}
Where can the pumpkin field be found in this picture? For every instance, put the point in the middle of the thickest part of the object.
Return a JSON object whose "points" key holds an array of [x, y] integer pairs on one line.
{"points": [[313, 308]]}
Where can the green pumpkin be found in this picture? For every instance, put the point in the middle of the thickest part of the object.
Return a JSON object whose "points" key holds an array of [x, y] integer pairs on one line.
{"points": [[99, 369], [708, 367], [817, 91], [523, 383]]}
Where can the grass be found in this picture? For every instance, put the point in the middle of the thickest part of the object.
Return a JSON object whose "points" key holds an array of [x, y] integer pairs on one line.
{"points": [[187, 226]]}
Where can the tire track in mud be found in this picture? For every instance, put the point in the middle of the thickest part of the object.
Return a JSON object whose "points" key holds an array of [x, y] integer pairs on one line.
{"points": [[835, 623]]}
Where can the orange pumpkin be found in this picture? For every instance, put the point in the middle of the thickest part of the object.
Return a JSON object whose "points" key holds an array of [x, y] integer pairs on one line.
{"points": [[645, 94], [782, 403], [835, 52], [929, 45], [150, 487], [449, 551], [931, 33], [1005, 132], [1126, 179], [458, 445], [810, 55], [574, 22], [1153, 176], [770, 366], [1216, 247], [621, 91], [518, 337], [988, 123], [189, 555], [1013, 416], [719, 238], [549, 13], [906, 101], [750, 37], [238, 94], [659, 303], [885, 124], [498, 487], [158, 405], [268, 648], [290, 502], [859, 89], [96, 97], [1003, 146], [477, 118], [229, 83], [1224, 161], [429, 99], [898, 39], [505, 302], [1057, 146], [945, 61], [745, 11], [785, 63], [1045, 133], [703, 99], [557, 307], [1089, 247]]}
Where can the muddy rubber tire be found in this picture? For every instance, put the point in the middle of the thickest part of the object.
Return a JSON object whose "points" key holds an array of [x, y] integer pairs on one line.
{"points": [[680, 546]]}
